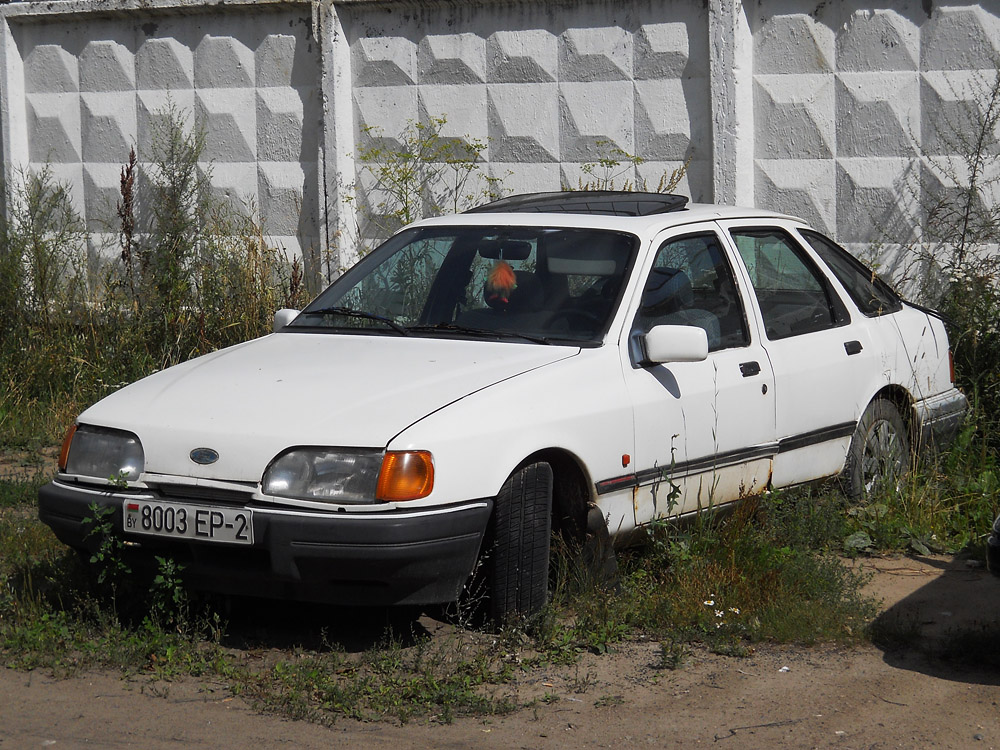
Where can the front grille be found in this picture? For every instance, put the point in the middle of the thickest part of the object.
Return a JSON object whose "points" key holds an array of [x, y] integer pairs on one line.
{"points": [[210, 494]]}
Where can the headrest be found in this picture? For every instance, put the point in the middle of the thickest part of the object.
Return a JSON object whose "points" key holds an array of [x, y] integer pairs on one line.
{"points": [[667, 290]]}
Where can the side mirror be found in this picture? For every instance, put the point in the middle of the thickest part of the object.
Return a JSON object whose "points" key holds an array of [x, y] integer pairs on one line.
{"points": [[283, 317], [673, 344]]}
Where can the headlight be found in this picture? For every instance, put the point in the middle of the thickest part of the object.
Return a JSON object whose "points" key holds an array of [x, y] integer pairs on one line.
{"points": [[102, 453], [348, 475], [332, 475]]}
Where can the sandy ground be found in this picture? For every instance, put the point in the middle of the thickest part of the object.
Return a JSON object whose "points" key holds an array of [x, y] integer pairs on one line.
{"points": [[777, 697]]}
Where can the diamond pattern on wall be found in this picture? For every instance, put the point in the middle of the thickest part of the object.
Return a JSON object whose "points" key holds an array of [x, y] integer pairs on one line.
{"points": [[384, 61], [151, 109], [876, 113], [523, 122], [54, 125], [662, 130], [250, 79], [869, 199], [523, 56], [463, 106], [801, 187], [388, 110], [235, 182], [107, 126], [283, 60], [792, 43], [595, 119], [960, 39], [106, 66], [49, 69], [878, 40], [452, 58], [281, 135], [229, 119], [548, 87], [223, 62], [596, 54], [102, 183], [661, 52], [164, 63], [793, 116], [948, 99]]}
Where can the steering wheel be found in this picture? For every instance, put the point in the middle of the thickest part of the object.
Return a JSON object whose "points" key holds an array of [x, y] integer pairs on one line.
{"points": [[589, 319]]}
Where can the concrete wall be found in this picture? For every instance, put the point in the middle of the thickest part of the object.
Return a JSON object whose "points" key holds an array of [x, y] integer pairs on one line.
{"points": [[82, 85], [849, 103], [821, 109]]}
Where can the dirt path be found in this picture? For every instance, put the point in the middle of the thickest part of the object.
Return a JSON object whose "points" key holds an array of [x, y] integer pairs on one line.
{"points": [[777, 697]]}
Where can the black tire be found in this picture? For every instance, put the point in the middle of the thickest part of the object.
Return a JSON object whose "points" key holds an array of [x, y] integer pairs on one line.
{"points": [[517, 565], [879, 455]]}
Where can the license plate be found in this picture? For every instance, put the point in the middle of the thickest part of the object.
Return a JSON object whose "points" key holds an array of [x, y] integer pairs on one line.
{"points": [[176, 520]]}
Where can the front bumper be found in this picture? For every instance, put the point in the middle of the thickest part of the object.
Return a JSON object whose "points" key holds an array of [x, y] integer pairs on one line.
{"points": [[423, 556], [939, 417], [993, 549]]}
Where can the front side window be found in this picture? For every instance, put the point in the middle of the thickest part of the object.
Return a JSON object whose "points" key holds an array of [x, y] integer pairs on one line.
{"points": [[534, 283], [793, 295], [692, 284], [872, 295]]}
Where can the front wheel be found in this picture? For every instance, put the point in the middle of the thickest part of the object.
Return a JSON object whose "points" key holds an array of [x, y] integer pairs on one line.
{"points": [[880, 451], [517, 566]]}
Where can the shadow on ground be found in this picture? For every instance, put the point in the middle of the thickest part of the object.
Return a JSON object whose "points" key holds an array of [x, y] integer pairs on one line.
{"points": [[942, 617], [262, 623]]}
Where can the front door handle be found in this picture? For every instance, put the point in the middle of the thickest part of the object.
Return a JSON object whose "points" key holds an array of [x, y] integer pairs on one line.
{"points": [[749, 369]]}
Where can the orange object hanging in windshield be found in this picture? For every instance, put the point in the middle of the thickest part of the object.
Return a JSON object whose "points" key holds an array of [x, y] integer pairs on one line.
{"points": [[500, 283]]}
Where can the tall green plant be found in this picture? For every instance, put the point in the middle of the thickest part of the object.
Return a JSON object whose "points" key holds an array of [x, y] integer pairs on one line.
{"points": [[617, 170], [196, 273], [192, 274], [423, 173], [959, 251], [42, 239]]}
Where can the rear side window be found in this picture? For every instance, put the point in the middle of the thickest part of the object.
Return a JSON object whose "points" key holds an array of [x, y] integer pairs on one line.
{"points": [[872, 295], [793, 294]]}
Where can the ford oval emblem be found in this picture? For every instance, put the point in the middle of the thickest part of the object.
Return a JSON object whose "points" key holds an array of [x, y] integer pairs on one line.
{"points": [[204, 456]]}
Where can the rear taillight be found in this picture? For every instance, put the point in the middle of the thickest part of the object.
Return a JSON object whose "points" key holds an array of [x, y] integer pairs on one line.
{"points": [[951, 366]]}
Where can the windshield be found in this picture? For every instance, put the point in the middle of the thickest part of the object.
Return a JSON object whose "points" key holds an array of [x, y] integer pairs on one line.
{"points": [[531, 283]]}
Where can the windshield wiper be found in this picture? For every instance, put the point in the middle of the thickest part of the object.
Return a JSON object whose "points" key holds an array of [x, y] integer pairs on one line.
{"points": [[489, 332], [348, 312]]}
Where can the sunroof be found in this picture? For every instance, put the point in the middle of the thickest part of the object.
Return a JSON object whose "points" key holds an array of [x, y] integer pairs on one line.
{"points": [[607, 202]]}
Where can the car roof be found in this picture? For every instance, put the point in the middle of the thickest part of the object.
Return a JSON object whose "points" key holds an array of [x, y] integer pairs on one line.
{"points": [[691, 214]]}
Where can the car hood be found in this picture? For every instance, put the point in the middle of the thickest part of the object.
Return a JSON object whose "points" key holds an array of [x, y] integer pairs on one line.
{"points": [[252, 401]]}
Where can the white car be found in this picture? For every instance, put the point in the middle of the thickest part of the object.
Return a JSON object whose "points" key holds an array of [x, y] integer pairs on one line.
{"points": [[568, 362]]}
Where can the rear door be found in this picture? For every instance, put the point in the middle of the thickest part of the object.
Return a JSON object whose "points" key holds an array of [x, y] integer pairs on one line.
{"points": [[824, 363]]}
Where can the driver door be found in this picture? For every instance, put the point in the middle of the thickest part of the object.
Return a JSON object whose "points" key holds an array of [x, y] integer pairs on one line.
{"points": [[704, 431]]}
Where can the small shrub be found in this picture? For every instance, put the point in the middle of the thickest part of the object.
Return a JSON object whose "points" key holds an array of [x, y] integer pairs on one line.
{"points": [[191, 274], [423, 174]]}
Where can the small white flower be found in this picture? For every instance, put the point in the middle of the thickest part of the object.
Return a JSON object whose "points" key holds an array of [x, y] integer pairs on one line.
{"points": [[719, 613], [734, 610], [709, 602], [718, 625]]}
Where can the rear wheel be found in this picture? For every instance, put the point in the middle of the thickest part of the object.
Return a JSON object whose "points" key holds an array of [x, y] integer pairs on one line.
{"points": [[517, 566], [880, 451]]}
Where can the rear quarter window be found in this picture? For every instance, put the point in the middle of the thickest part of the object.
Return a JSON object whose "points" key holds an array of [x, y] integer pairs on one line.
{"points": [[872, 295]]}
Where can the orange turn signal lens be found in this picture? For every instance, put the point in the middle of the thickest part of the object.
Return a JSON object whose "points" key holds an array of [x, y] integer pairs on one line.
{"points": [[405, 475], [64, 451]]}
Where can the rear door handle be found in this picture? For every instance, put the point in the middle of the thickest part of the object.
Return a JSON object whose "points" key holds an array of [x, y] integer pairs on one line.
{"points": [[853, 347], [749, 369]]}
